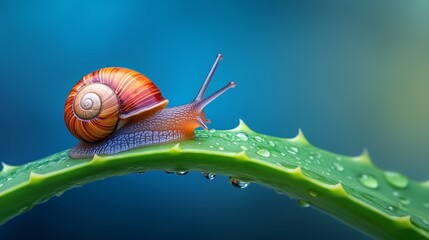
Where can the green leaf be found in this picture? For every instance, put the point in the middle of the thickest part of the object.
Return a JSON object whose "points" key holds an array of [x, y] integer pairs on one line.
{"points": [[383, 204]]}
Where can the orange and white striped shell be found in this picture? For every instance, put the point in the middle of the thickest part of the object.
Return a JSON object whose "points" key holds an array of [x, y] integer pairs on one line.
{"points": [[101, 99]]}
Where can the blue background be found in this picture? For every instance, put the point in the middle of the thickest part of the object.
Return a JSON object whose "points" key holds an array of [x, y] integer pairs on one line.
{"points": [[351, 74]]}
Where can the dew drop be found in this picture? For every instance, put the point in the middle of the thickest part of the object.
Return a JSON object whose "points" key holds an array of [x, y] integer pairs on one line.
{"points": [[259, 139], [396, 179], [271, 143], [1, 185], [395, 193], [404, 200], [303, 203], [263, 152], [169, 172], [181, 173], [368, 181], [242, 136], [238, 183], [282, 154], [426, 204], [294, 149], [8, 179], [209, 176], [338, 166], [221, 148], [313, 193], [244, 148], [212, 130]]}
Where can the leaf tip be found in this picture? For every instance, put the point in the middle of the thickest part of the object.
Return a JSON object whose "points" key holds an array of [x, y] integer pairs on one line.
{"points": [[242, 126], [339, 189], [300, 138], [176, 148], [7, 167], [363, 157], [35, 177], [97, 159]]}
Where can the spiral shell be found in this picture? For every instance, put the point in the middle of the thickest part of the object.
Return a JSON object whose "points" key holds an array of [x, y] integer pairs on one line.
{"points": [[100, 99]]}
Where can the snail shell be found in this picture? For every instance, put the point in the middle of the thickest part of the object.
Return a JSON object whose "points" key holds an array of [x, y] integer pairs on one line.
{"points": [[100, 100]]}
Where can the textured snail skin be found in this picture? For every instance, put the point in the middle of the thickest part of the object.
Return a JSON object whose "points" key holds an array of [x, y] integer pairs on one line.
{"points": [[167, 125]]}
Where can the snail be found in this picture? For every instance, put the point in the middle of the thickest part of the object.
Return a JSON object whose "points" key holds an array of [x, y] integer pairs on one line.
{"points": [[116, 109]]}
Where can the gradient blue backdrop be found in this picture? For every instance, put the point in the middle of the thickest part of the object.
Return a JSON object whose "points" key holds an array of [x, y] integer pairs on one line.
{"points": [[351, 74]]}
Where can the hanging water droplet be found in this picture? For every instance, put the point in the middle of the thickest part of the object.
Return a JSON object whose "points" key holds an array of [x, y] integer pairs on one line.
{"points": [[141, 172], [303, 203], [221, 148], [181, 173], [338, 166], [238, 183], [212, 130], [396, 179], [244, 148], [169, 172], [209, 176], [242, 136], [313, 193], [368, 181], [263, 152], [271, 143]]}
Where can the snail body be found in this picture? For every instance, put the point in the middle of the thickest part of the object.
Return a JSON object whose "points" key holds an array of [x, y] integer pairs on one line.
{"points": [[116, 109]]}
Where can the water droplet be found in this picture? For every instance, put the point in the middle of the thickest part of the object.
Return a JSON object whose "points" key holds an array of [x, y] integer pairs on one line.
{"points": [[396, 179], [212, 130], [263, 152], [425, 204], [313, 193], [259, 139], [8, 179], [395, 193], [242, 136], [404, 200], [238, 183], [338, 166], [368, 181], [391, 208], [169, 172], [209, 176], [181, 173], [303, 203], [271, 143], [244, 148], [294, 149], [291, 152], [221, 148], [282, 154], [1, 185]]}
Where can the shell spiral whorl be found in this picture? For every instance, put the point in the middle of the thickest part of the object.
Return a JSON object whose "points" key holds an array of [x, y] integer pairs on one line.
{"points": [[100, 99]]}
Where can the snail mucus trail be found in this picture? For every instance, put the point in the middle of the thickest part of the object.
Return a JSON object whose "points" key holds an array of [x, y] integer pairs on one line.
{"points": [[154, 125]]}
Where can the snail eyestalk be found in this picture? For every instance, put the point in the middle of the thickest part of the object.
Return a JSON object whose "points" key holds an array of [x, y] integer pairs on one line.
{"points": [[203, 89], [201, 104]]}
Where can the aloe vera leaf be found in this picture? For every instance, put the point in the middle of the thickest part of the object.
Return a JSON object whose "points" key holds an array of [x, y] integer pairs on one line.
{"points": [[383, 204]]}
